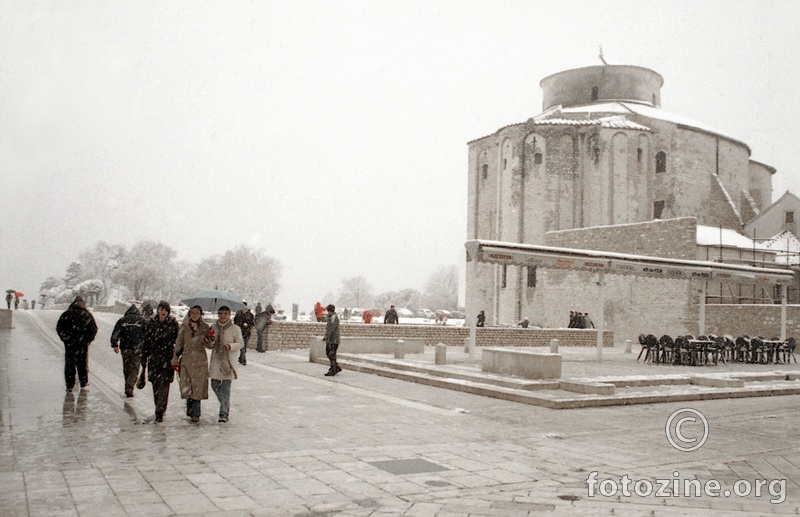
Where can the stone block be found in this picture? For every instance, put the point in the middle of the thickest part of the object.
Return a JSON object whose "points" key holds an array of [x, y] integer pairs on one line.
{"points": [[441, 354], [588, 388], [717, 382], [530, 365], [6, 317]]}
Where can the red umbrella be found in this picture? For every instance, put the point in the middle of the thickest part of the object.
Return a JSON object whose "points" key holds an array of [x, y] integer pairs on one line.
{"points": [[19, 294]]}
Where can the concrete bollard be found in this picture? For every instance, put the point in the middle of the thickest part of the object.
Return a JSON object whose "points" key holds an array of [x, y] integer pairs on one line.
{"points": [[400, 349], [441, 353], [628, 346], [466, 345], [554, 346]]}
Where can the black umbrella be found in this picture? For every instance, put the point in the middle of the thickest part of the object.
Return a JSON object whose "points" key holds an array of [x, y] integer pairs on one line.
{"points": [[211, 300]]}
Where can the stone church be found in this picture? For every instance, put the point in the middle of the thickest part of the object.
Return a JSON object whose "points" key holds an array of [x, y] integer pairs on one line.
{"points": [[602, 153]]}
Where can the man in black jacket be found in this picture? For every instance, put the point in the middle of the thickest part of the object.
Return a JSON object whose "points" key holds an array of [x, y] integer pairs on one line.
{"points": [[263, 320], [76, 328], [331, 340], [128, 336], [244, 320], [161, 332]]}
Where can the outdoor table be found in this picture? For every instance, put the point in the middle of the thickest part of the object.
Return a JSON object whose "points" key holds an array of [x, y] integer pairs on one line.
{"points": [[699, 351]]}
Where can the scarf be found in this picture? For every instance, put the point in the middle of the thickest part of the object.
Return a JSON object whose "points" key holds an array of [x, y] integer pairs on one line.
{"points": [[220, 329]]}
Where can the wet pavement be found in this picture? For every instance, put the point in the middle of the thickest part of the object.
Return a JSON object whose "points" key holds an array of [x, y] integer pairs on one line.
{"points": [[301, 444]]}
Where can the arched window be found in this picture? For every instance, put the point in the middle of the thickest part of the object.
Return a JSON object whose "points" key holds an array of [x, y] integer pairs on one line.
{"points": [[484, 171], [661, 162]]}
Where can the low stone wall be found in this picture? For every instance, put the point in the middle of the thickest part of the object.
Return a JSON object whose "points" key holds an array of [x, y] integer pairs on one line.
{"points": [[365, 345], [752, 320], [6, 318], [291, 334]]}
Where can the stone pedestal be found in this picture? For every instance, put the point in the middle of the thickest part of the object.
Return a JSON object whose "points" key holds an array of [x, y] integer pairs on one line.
{"points": [[441, 353], [399, 350], [6, 318], [554, 346]]}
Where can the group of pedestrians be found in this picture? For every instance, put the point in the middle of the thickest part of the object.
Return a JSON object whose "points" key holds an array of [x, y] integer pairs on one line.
{"points": [[578, 320], [14, 297], [155, 348]]}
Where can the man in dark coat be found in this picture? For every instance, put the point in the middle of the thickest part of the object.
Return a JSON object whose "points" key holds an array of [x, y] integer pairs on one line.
{"points": [[244, 320], [481, 319], [158, 349], [391, 317], [76, 328], [263, 319], [331, 340], [128, 336]]}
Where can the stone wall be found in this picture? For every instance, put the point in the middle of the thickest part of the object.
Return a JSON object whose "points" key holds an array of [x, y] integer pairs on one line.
{"points": [[752, 320], [291, 334]]}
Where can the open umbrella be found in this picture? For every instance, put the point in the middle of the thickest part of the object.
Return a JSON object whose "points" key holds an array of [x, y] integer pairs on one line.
{"points": [[19, 294], [12, 291], [211, 300]]}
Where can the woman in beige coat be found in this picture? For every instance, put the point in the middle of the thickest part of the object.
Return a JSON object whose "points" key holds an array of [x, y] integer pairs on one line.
{"points": [[191, 352], [225, 348]]}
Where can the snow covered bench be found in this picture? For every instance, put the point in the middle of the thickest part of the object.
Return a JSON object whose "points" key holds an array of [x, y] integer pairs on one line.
{"points": [[523, 363], [365, 345]]}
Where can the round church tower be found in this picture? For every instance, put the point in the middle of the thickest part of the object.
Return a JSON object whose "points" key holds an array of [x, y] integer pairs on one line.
{"points": [[602, 83]]}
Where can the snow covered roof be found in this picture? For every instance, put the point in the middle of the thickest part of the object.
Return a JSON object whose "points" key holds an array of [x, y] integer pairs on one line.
{"points": [[713, 236], [787, 246], [613, 122], [645, 110]]}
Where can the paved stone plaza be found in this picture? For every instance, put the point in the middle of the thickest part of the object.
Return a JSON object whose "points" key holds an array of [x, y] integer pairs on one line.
{"points": [[301, 444]]}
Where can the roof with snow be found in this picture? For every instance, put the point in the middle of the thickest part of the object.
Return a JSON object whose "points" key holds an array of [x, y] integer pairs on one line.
{"points": [[787, 247], [715, 236]]}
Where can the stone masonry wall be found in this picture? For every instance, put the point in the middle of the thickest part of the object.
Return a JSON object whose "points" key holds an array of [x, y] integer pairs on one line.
{"points": [[290, 334], [752, 320]]}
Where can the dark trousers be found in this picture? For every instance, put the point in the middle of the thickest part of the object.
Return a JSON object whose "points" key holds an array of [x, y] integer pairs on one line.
{"points": [[160, 396], [260, 340], [243, 351], [192, 407], [330, 351], [131, 360], [76, 357]]}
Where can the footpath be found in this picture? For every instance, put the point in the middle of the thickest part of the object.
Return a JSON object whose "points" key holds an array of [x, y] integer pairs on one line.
{"points": [[301, 444]]}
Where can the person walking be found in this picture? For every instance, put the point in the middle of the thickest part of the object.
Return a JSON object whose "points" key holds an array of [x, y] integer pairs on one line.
{"points": [[263, 320], [366, 316], [258, 309], [9, 297], [16, 302], [481, 319], [76, 328], [331, 340], [245, 321], [128, 336], [224, 347], [33, 305], [587, 321], [147, 310], [25, 304], [161, 332], [524, 323], [192, 361], [391, 317]]}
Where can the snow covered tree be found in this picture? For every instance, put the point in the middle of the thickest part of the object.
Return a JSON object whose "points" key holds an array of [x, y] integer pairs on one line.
{"points": [[356, 292], [405, 298], [102, 262], [74, 274], [145, 267], [441, 289], [244, 271]]}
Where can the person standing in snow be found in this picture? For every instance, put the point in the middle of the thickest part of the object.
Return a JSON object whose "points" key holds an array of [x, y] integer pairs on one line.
{"points": [[9, 297], [192, 362], [391, 318], [225, 346], [161, 332], [76, 328], [263, 320], [331, 340], [128, 336]]}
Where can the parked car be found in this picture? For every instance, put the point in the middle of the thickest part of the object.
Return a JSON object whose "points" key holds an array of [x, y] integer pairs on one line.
{"points": [[458, 315], [425, 313]]}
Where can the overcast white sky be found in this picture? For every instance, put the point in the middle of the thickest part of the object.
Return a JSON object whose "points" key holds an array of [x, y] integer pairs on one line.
{"points": [[331, 134]]}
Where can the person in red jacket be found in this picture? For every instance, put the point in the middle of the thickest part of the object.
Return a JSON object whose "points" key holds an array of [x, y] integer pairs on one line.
{"points": [[367, 317], [319, 312]]}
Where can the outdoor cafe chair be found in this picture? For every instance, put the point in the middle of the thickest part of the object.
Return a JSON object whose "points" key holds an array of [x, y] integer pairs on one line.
{"points": [[742, 351], [666, 347], [644, 347], [652, 348]]}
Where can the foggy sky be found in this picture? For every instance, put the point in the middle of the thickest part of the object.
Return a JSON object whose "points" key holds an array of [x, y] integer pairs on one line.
{"points": [[332, 135]]}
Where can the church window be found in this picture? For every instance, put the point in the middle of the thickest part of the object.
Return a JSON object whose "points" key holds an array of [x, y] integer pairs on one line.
{"points": [[658, 208], [505, 163], [531, 276], [484, 171], [595, 93], [596, 153], [788, 217], [661, 162], [537, 158], [639, 154]]}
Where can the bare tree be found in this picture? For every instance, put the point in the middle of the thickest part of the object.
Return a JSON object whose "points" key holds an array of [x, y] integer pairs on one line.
{"points": [[355, 292], [441, 289]]}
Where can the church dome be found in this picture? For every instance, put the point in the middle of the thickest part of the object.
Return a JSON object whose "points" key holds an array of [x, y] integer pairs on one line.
{"points": [[602, 83]]}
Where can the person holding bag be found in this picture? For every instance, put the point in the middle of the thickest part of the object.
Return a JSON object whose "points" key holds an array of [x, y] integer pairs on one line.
{"points": [[225, 343], [191, 361], [158, 351]]}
